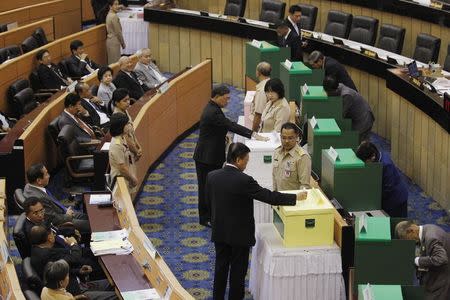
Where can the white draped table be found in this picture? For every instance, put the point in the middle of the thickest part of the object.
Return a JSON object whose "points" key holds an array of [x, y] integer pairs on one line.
{"points": [[283, 273], [134, 29]]}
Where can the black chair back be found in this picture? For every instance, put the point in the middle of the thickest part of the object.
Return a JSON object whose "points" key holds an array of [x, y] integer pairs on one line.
{"points": [[3, 55], [309, 16], [3, 27], [446, 66], [338, 23], [20, 238], [53, 129], [272, 11], [19, 198], [35, 82], [13, 51], [39, 35], [23, 102], [30, 295], [391, 38], [30, 43], [62, 65], [31, 277], [364, 30], [94, 90], [16, 87], [235, 8], [427, 48]]}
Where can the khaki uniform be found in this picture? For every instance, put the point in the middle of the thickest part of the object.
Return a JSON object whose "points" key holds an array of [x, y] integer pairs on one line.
{"points": [[114, 38], [291, 170], [260, 100], [275, 114], [119, 153]]}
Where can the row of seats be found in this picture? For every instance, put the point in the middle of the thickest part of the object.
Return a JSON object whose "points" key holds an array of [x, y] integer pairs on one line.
{"points": [[36, 40]]}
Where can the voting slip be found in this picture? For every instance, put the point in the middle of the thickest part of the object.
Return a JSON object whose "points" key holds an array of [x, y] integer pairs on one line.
{"points": [[99, 199], [109, 235], [148, 294], [117, 247]]}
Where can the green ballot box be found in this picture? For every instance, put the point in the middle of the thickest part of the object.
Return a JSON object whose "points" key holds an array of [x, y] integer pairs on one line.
{"points": [[380, 258], [355, 184], [295, 77], [268, 53], [323, 133], [316, 103], [391, 292]]}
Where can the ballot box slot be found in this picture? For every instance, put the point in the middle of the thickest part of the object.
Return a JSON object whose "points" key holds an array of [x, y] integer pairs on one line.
{"points": [[310, 223]]}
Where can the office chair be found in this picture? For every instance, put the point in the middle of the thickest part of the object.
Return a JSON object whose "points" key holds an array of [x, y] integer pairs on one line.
{"points": [[30, 43], [391, 38], [338, 23], [309, 16], [39, 35], [272, 11], [364, 30], [427, 48], [22, 243], [235, 8], [19, 198], [32, 279]]}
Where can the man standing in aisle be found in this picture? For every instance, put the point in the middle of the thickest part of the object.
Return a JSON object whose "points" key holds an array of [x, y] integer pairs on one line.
{"points": [[231, 192], [209, 153], [263, 70]]}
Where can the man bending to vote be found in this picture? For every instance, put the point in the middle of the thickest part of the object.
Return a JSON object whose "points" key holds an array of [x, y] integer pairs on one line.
{"points": [[231, 192]]}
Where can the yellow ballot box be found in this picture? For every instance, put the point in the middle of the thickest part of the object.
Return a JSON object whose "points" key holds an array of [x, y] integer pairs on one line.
{"points": [[308, 223]]}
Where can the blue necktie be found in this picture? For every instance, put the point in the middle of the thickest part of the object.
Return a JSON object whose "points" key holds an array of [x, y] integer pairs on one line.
{"points": [[59, 204]]}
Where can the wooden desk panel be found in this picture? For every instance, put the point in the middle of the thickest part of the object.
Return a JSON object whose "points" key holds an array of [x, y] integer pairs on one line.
{"points": [[10, 5], [17, 35], [87, 13]]}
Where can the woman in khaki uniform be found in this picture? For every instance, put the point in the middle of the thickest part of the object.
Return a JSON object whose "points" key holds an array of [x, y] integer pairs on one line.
{"points": [[121, 159], [277, 110], [114, 39]]}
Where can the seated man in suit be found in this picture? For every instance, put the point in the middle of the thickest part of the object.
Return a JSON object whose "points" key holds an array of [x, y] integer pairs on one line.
{"points": [[78, 63], [331, 67], [50, 76], [70, 116], [55, 211], [126, 78], [289, 38], [94, 114], [355, 107], [432, 262], [147, 71], [44, 251]]}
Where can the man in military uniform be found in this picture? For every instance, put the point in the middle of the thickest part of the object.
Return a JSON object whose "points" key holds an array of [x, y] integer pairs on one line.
{"points": [[291, 164], [259, 102]]}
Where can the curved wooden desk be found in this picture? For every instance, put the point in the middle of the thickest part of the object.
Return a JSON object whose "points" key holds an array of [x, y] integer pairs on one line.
{"points": [[420, 138], [17, 35]]}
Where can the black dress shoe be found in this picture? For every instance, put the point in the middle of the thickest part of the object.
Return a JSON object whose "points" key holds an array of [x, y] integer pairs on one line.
{"points": [[206, 223]]}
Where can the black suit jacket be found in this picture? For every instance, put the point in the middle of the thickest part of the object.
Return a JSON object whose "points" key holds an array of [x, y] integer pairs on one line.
{"points": [[77, 68], [50, 78], [134, 87], [214, 126], [94, 118], [81, 135], [334, 68], [295, 43], [289, 24], [230, 193]]}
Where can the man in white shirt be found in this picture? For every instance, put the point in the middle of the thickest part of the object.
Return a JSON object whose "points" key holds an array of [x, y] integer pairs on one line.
{"points": [[94, 113], [78, 63], [263, 70], [147, 71]]}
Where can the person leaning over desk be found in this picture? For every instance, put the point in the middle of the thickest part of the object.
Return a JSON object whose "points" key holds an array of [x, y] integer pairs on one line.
{"points": [[209, 152], [231, 192], [433, 260], [291, 164], [277, 110]]}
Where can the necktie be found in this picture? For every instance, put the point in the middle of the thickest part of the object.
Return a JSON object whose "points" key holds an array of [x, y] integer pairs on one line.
{"points": [[58, 73], [85, 128], [59, 204]]}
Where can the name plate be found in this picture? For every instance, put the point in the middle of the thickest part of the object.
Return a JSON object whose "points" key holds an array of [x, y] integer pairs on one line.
{"points": [[313, 122], [288, 64], [307, 34], [369, 53], [305, 89], [257, 44], [163, 88], [436, 5], [333, 154], [417, 82]]}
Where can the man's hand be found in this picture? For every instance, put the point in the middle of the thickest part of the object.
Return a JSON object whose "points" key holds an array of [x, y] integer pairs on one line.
{"points": [[69, 211], [260, 137], [70, 241], [83, 56], [85, 269], [77, 235], [301, 196], [96, 100]]}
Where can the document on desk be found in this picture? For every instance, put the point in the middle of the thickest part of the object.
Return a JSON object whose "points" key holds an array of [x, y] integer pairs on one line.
{"points": [[105, 146], [117, 247], [98, 199], [147, 294], [109, 235]]}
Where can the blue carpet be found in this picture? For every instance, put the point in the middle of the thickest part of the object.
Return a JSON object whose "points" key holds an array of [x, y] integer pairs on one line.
{"points": [[167, 211]]}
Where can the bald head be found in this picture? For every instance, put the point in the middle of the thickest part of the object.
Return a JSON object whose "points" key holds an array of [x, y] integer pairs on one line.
{"points": [[125, 64], [144, 55], [263, 70]]}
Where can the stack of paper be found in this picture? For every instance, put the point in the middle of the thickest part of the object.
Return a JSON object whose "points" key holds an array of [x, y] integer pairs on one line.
{"points": [[109, 235], [116, 246], [98, 199]]}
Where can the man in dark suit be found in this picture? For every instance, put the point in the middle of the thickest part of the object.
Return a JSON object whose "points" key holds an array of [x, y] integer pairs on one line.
{"points": [[55, 211], [231, 192], [78, 63], [433, 262], [332, 68], [209, 153], [293, 19], [289, 38], [95, 113], [44, 251], [70, 116], [126, 78], [50, 76]]}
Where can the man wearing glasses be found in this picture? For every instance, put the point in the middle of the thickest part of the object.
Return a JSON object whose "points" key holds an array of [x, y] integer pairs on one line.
{"points": [[291, 164]]}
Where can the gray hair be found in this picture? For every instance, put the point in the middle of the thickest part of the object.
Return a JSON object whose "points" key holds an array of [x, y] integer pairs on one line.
{"points": [[314, 57], [264, 68], [123, 59], [55, 272], [141, 52], [401, 229]]}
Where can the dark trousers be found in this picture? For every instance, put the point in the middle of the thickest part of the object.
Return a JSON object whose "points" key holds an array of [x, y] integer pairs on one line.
{"points": [[232, 260], [203, 206]]}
